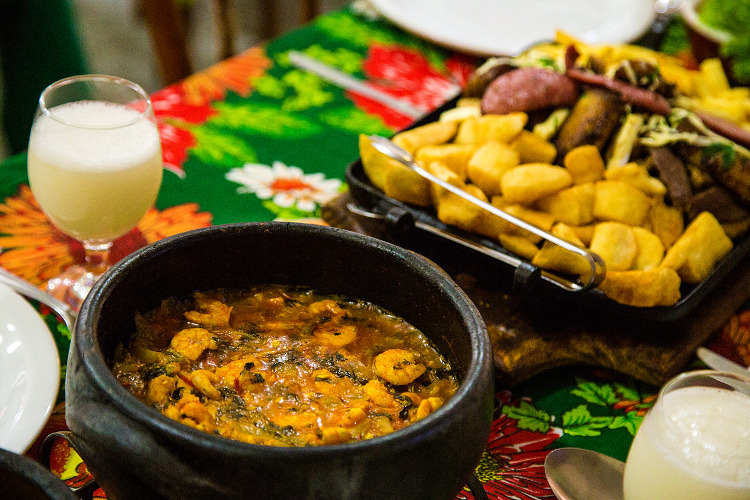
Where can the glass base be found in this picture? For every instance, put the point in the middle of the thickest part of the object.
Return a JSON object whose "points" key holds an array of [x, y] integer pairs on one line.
{"points": [[72, 286]]}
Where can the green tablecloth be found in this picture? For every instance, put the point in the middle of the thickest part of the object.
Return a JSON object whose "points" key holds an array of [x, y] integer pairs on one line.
{"points": [[254, 139]]}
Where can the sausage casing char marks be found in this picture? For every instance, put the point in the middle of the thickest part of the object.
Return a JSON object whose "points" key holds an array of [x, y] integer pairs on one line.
{"points": [[283, 366]]}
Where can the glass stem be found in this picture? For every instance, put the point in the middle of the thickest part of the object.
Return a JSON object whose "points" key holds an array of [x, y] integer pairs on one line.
{"points": [[96, 256]]}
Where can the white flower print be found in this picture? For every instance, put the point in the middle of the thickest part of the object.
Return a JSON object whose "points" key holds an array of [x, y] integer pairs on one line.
{"points": [[284, 185]]}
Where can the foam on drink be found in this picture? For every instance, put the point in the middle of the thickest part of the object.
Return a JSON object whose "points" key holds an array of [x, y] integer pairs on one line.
{"points": [[113, 148], [94, 183]]}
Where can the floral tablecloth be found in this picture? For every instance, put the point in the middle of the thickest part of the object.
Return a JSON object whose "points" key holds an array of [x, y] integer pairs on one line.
{"points": [[254, 139]]}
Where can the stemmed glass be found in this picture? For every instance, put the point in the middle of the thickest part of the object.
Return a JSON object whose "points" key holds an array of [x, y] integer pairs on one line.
{"points": [[95, 168]]}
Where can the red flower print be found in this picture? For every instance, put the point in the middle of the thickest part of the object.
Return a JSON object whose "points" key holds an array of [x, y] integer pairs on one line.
{"points": [[513, 464], [189, 102], [407, 75], [175, 142], [460, 67], [171, 102], [173, 117]]}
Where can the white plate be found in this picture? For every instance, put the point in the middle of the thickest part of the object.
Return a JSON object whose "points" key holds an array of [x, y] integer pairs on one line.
{"points": [[29, 372], [508, 27]]}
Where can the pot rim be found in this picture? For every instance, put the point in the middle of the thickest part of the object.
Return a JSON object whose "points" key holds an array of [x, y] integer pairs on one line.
{"points": [[479, 371]]}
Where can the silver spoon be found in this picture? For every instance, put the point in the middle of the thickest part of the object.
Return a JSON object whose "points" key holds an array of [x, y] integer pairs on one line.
{"points": [[578, 474], [25, 288], [720, 363]]}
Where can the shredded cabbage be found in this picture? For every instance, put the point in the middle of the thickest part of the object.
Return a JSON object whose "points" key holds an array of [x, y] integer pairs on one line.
{"points": [[660, 131]]}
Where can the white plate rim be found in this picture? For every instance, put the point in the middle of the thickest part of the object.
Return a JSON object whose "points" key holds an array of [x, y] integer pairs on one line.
{"points": [[29, 357], [421, 17]]}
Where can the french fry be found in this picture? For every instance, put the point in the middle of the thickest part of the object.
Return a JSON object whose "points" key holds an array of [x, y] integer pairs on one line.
{"points": [[679, 76], [666, 222], [489, 163], [518, 245], [736, 94], [585, 164], [650, 250], [556, 258], [431, 133], [442, 172], [528, 183], [456, 211], [656, 287], [573, 205], [697, 251], [454, 156], [637, 176], [500, 128], [404, 184], [534, 149], [468, 131], [732, 110], [490, 224], [713, 79], [615, 243], [461, 113], [536, 218], [395, 180], [584, 233], [374, 163], [620, 202], [474, 102]]}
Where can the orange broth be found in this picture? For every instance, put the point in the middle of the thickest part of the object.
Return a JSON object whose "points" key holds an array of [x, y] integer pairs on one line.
{"points": [[283, 366]]}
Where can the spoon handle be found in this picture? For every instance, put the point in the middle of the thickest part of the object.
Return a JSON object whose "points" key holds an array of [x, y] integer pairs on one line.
{"points": [[720, 363], [346, 81], [23, 287]]}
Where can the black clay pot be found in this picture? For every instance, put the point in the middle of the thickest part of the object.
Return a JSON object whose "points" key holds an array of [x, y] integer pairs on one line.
{"points": [[135, 452]]}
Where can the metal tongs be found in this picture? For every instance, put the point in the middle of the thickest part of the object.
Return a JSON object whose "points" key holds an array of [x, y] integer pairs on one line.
{"points": [[597, 266]]}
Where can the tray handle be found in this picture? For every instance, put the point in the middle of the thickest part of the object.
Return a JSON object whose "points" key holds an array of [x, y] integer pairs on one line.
{"points": [[399, 222]]}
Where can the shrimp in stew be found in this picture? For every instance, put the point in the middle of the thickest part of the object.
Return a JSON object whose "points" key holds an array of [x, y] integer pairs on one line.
{"points": [[283, 366]]}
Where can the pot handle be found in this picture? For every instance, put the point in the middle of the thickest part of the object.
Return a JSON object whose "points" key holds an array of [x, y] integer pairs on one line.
{"points": [[79, 484]]}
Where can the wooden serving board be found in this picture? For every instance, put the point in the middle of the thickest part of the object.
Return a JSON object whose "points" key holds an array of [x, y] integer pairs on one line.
{"points": [[533, 331]]}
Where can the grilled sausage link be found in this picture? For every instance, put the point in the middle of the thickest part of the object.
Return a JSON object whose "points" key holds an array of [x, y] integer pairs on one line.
{"points": [[528, 89]]}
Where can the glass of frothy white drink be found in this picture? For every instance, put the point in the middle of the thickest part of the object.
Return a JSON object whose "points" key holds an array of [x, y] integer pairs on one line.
{"points": [[694, 443], [95, 168]]}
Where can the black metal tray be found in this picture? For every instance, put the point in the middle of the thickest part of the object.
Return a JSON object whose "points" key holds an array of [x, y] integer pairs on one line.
{"points": [[371, 199]]}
